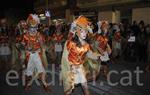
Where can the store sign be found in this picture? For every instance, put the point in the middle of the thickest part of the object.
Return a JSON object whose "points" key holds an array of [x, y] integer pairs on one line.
{"points": [[131, 39]]}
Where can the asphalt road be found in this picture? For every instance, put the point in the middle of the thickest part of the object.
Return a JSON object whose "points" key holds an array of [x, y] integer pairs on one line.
{"points": [[100, 87]]}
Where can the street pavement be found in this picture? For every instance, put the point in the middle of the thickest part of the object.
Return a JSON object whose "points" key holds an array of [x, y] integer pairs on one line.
{"points": [[100, 87]]}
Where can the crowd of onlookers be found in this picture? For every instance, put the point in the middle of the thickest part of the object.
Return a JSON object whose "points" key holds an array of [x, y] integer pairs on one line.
{"points": [[135, 40]]}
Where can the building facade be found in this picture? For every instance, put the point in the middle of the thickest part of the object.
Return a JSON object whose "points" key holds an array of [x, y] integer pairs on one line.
{"points": [[114, 11]]}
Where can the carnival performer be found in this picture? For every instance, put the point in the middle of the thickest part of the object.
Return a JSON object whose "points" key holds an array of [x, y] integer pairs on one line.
{"points": [[21, 30], [75, 50], [35, 53], [103, 46], [116, 43], [58, 39], [18, 49]]}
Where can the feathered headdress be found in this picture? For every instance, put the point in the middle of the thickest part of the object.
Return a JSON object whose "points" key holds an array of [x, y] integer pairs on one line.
{"points": [[81, 22], [102, 25], [33, 20]]}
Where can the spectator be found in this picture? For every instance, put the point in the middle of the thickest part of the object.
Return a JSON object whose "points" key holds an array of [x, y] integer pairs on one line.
{"points": [[135, 28], [5, 53], [148, 49], [142, 42]]}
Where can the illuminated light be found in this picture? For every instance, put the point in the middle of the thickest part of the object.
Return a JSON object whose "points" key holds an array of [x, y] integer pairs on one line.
{"points": [[54, 20], [43, 18], [41, 15]]}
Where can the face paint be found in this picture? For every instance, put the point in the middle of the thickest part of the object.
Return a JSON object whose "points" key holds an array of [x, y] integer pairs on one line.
{"points": [[82, 34]]}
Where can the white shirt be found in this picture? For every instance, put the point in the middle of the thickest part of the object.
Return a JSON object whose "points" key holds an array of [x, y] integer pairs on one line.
{"points": [[58, 47], [5, 50]]}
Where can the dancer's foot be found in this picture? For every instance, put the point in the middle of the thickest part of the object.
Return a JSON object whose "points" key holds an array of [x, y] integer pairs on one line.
{"points": [[47, 88]]}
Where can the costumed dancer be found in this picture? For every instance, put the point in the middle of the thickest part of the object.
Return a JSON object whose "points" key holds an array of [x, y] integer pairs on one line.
{"points": [[103, 46], [35, 53], [50, 49], [92, 66], [75, 50], [22, 29], [116, 42], [58, 39]]}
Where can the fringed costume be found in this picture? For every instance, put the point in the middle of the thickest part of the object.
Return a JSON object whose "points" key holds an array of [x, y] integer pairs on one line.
{"points": [[74, 56], [103, 46], [35, 57]]}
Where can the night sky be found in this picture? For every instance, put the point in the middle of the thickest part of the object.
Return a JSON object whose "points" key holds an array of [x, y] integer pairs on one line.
{"points": [[16, 8]]}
